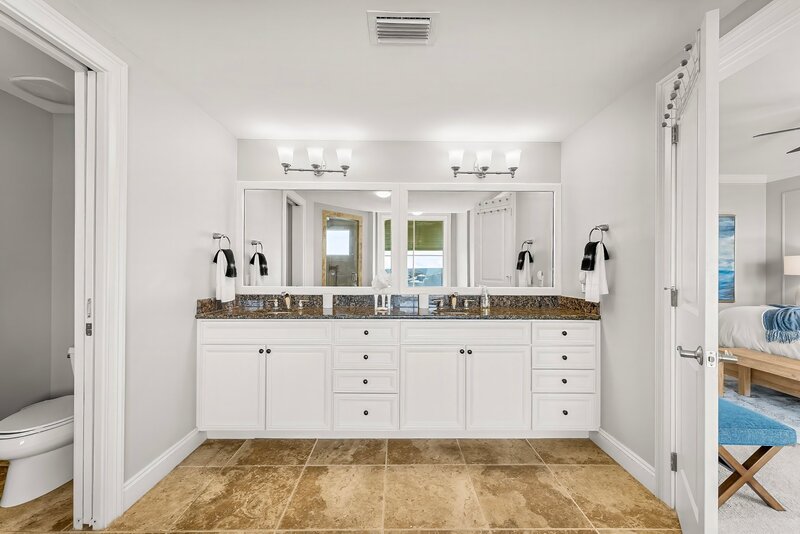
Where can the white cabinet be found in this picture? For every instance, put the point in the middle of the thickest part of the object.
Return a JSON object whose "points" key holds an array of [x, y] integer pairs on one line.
{"points": [[498, 387], [230, 387], [365, 412], [432, 387], [298, 387]]}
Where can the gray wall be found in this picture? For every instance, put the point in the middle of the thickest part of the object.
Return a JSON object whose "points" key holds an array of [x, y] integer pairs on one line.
{"points": [[26, 147], [748, 203], [775, 278]]}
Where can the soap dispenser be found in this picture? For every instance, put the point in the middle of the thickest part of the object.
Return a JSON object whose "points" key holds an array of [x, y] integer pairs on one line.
{"points": [[485, 298]]}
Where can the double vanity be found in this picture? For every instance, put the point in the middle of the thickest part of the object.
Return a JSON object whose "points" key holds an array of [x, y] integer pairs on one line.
{"points": [[352, 372]]}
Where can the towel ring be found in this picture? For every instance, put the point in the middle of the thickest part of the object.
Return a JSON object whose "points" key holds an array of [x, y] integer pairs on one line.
{"points": [[256, 243], [220, 237], [526, 245], [602, 228]]}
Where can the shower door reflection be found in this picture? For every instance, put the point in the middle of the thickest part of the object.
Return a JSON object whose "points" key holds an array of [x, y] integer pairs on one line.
{"points": [[341, 249]]}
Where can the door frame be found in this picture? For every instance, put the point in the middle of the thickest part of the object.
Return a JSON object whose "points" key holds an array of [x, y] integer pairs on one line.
{"points": [[46, 28], [742, 46]]}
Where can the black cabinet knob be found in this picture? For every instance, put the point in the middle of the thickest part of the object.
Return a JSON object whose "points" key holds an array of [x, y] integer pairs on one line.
{"points": [[565, 412], [261, 351], [366, 381], [366, 412], [564, 357], [563, 380], [366, 356], [469, 351], [461, 351], [563, 332], [366, 332], [269, 351]]}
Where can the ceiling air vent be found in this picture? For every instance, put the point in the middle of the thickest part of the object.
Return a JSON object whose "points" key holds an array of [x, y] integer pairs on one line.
{"points": [[386, 27]]}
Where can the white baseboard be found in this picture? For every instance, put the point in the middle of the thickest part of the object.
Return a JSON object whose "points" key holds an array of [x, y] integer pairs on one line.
{"points": [[143, 481], [629, 460]]}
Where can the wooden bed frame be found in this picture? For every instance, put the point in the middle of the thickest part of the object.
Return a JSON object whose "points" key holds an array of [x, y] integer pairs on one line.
{"points": [[761, 368]]}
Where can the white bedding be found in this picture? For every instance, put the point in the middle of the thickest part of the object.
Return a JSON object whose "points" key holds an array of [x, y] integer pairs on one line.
{"points": [[742, 326]]}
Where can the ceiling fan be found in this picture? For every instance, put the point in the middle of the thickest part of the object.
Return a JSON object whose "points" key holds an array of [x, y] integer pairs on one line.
{"points": [[781, 131]]}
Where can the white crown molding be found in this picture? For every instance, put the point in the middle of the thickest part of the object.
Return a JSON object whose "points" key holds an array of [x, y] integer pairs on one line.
{"points": [[743, 178]]}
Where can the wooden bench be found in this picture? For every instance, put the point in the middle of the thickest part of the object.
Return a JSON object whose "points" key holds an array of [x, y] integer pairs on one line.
{"points": [[741, 426]]}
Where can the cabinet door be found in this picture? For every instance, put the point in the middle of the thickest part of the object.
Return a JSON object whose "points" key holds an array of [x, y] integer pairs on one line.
{"points": [[432, 380], [230, 387], [498, 387], [298, 387]]}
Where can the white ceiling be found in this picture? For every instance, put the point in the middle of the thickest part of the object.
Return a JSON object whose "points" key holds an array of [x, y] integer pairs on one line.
{"points": [[18, 58], [763, 97], [505, 70]]}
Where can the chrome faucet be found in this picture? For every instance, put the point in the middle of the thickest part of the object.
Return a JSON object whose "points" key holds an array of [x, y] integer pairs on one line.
{"points": [[454, 301], [287, 300]]}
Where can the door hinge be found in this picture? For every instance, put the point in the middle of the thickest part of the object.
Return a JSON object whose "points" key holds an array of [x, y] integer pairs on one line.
{"points": [[675, 134], [88, 329], [673, 462]]}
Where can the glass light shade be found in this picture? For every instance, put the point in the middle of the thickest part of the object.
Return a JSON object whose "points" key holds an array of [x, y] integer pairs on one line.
{"points": [[456, 158], [383, 194], [286, 154], [345, 156], [791, 265], [483, 159], [315, 156], [512, 159], [416, 213]]}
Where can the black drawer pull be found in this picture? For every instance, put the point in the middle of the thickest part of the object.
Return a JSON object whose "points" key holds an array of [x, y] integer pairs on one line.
{"points": [[366, 356], [564, 357], [366, 381], [469, 351], [261, 351], [366, 412], [461, 351], [269, 351], [565, 412], [563, 380], [563, 332], [366, 332]]}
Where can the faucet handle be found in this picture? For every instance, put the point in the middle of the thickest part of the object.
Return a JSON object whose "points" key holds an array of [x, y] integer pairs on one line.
{"points": [[275, 304], [468, 302], [300, 303]]}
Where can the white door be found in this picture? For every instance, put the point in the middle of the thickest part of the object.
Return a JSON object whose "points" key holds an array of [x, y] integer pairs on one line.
{"points": [[498, 387], [230, 387], [496, 261], [432, 380], [696, 157], [298, 387]]}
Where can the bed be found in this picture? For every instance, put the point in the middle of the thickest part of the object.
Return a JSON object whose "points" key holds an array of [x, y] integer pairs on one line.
{"points": [[772, 365]]}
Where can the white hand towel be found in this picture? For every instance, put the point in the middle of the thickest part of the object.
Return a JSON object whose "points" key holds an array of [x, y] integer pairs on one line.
{"points": [[596, 282], [255, 272], [226, 287], [525, 276]]}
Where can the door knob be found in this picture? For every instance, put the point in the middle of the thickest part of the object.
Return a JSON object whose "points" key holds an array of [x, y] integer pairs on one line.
{"points": [[696, 354]]}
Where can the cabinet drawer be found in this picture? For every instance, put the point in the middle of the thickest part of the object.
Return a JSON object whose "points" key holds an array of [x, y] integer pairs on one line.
{"points": [[269, 331], [562, 381], [365, 412], [564, 412], [367, 332], [365, 357], [365, 381], [565, 333], [564, 357], [466, 332]]}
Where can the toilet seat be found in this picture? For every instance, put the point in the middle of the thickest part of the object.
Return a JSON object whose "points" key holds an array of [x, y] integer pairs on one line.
{"points": [[39, 417]]}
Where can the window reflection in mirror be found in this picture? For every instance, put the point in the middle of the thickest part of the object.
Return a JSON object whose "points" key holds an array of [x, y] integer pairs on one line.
{"points": [[470, 239], [315, 238]]}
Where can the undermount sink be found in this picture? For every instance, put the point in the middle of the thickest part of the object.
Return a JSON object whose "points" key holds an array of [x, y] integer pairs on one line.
{"points": [[276, 312], [451, 312]]}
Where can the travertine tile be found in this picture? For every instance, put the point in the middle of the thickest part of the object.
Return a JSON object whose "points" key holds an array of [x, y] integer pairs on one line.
{"points": [[213, 453], [241, 498], [424, 451], [524, 497], [498, 451], [273, 452], [49, 513], [431, 497], [638, 531], [349, 452], [570, 451], [612, 498], [161, 506], [337, 497]]}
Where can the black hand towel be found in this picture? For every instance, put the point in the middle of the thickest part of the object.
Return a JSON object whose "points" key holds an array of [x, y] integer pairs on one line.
{"points": [[262, 263], [230, 271], [521, 259], [589, 255]]}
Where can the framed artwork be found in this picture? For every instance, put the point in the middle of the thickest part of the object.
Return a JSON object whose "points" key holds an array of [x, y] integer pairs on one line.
{"points": [[727, 258]]}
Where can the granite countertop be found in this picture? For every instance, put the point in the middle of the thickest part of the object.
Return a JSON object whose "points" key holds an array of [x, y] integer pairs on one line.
{"points": [[357, 312]]}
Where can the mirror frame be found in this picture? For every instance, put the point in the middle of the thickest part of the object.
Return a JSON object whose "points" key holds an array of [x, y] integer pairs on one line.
{"points": [[399, 212]]}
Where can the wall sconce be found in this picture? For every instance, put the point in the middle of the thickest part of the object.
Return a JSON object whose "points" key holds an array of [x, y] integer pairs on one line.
{"points": [[316, 159], [483, 160]]}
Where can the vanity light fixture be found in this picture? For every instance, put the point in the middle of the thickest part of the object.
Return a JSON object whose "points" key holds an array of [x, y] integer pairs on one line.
{"points": [[316, 158], [483, 161]]}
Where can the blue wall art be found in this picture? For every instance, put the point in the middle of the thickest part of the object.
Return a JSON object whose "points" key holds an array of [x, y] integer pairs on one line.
{"points": [[727, 258]]}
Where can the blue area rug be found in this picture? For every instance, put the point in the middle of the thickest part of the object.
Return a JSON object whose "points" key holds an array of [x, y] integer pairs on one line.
{"points": [[774, 404]]}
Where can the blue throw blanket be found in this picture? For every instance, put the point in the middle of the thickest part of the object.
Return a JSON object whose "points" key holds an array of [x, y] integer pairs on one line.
{"points": [[782, 324]]}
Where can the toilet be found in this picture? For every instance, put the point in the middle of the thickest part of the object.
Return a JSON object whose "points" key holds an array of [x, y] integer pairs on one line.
{"points": [[37, 442]]}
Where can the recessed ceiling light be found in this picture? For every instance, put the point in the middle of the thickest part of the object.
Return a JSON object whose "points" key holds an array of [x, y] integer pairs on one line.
{"points": [[44, 88], [383, 194]]}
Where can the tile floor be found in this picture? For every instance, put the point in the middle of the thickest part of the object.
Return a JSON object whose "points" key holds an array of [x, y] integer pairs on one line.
{"points": [[546, 486]]}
